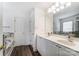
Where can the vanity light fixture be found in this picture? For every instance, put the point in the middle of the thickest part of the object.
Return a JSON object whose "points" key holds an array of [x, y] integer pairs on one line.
{"points": [[53, 7], [68, 4], [62, 3], [49, 10], [62, 7], [58, 9], [58, 6], [54, 11]]}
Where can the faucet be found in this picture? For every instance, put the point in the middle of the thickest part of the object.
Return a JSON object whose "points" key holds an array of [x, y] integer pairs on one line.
{"points": [[50, 33], [70, 39]]}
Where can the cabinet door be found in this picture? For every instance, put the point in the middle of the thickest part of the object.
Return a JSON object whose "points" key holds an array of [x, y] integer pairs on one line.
{"points": [[51, 49], [41, 46], [63, 52]]}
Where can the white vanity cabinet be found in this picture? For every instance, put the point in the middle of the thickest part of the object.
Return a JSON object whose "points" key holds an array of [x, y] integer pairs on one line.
{"points": [[41, 45], [64, 51], [46, 47], [54, 49], [51, 48]]}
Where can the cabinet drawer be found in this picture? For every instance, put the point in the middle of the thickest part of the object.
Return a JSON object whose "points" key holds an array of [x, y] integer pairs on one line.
{"points": [[73, 52], [63, 52]]}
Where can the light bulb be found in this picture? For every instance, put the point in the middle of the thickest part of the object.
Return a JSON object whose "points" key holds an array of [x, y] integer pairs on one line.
{"points": [[68, 4], [53, 7], [54, 11], [62, 7], [62, 3], [49, 10], [57, 9], [57, 4]]}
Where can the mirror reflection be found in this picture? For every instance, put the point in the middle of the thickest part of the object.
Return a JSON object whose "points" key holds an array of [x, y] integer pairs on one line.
{"points": [[66, 20]]}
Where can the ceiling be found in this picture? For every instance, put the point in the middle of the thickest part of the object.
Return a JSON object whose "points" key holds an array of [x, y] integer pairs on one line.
{"points": [[16, 8], [28, 5]]}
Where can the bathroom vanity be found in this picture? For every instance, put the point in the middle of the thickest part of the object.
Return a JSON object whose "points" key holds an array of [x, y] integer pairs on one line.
{"points": [[57, 45]]}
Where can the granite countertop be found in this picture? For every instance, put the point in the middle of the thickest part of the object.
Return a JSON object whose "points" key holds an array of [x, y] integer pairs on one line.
{"points": [[62, 40]]}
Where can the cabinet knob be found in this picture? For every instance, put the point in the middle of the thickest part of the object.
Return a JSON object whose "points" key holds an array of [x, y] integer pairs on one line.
{"points": [[58, 46]]}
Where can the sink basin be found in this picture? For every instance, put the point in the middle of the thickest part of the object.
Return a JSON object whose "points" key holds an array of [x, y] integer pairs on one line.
{"points": [[66, 42]]}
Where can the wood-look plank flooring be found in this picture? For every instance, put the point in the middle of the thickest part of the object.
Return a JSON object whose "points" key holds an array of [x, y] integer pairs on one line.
{"points": [[24, 51]]}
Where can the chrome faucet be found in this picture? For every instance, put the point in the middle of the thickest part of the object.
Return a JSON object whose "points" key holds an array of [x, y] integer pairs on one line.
{"points": [[70, 39]]}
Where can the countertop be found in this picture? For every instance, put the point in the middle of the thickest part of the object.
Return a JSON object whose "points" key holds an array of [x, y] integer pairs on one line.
{"points": [[62, 40]]}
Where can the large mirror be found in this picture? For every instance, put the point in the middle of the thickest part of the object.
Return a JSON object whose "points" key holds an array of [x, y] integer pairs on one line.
{"points": [[66, 20]]}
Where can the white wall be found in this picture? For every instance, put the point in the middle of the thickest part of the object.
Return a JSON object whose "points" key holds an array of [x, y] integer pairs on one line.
{"points": [[11, 11], [39, 20], [49, 22]]}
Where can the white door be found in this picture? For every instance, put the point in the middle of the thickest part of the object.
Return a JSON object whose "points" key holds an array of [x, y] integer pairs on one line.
{"points": [[31, 31], [19, 31], [32, 27]]}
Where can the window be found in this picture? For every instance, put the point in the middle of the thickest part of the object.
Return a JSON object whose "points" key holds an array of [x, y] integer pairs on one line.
{"points": [[67, 26]]}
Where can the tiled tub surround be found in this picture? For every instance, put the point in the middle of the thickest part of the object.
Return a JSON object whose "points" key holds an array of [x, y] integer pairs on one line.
{"points": [[62, 41]]}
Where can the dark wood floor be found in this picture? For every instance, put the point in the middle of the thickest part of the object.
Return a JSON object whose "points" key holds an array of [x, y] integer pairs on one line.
{"points": [[24, 51]]}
